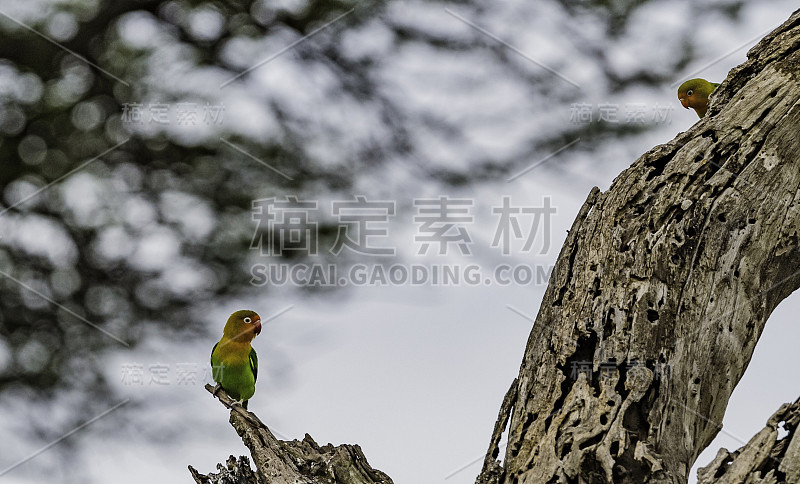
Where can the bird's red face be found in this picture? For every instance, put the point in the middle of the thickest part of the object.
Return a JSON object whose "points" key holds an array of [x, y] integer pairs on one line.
{"points": [[255, 321], [690, 99]]}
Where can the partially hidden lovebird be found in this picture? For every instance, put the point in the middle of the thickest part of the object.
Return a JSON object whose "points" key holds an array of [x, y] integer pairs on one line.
{"points": [[694, 94], [234, 363]]}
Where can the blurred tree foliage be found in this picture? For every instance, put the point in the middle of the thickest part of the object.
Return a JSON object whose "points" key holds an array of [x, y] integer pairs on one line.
{"points": [[126, 225]]}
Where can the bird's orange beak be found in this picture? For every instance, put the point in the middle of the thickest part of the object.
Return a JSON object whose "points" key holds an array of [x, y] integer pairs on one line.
{"points": [[684, 102], [257, 324]]}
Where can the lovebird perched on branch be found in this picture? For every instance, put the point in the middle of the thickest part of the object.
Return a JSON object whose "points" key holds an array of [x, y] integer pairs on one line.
{"points": [[234, 363], [694, 94]]}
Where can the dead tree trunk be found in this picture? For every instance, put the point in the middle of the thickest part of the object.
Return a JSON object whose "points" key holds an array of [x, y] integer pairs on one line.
{"points": [[661, 291], [657, 299], [281, 462]]}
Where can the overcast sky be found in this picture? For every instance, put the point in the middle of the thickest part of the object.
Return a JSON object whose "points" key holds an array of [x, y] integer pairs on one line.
{"points": [[414, 374]]}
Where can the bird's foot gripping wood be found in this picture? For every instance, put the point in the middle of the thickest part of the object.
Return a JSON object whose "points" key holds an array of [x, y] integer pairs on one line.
{"points": [[237, 406], [215, 391]]}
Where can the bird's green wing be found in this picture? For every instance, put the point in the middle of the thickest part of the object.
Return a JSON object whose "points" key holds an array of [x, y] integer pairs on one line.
{"points": [[254, 363]]}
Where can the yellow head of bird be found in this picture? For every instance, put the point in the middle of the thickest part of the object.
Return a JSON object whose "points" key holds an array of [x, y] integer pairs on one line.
{"points": [[694, 94], [243, 325]]}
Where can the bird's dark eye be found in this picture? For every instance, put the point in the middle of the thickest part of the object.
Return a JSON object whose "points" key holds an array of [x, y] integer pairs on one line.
{"points": [[246, 320], [689, 92]]}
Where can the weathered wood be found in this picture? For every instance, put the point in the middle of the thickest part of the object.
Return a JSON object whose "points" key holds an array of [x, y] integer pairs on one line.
{"points": [[492, 470], [283, 462], [657, 299], [662, 289], [769, 457], [236, 471]]}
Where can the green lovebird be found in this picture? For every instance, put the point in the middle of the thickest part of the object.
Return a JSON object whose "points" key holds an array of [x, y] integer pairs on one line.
{"points": [[234, 363], [694, 94]]}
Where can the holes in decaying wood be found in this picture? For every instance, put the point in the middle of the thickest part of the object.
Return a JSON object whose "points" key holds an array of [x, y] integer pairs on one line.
{"points": [[608, 324], [584, 351], [652, 315], [691, 232], [710, 134], [547, 421], [596, 288], [638, 210], [783, 430], [658, 167], [620, 387], [529, 419], [658, 187], [678, 216], [603, 419], [563, 289], [591, 441], [715, 164], [723, 467], [721, 217], [773, 93]]}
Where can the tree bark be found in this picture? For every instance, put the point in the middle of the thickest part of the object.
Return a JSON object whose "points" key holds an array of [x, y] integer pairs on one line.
{"points": [[769, 457], [282, 462], [651, 316], [660, 293]]}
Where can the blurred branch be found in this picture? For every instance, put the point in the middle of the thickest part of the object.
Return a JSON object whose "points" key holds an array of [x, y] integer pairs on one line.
{"points": [[295, 462]]}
